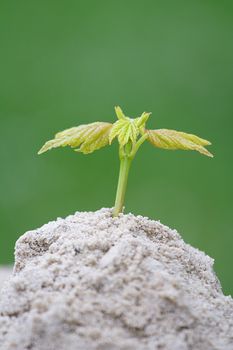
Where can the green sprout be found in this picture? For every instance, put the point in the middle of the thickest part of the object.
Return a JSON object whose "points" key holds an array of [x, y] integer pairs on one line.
{"points": [[131, 133]]}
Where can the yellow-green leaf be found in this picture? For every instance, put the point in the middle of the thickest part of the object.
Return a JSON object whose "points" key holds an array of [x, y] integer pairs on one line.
{"points": [[127, 129], [119, 113], [89, 137], [124, 130], [171, 139], [141, 121]]}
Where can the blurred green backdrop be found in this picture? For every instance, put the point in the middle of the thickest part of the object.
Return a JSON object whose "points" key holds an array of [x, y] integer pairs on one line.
{"points": [[64, 63]]}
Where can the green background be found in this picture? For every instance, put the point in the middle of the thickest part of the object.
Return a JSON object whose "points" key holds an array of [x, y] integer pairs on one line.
{"points": [[64, 63]]}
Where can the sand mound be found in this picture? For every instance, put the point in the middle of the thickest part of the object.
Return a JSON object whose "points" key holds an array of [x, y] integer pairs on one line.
{"points": [[93, 282], [5, 272]]}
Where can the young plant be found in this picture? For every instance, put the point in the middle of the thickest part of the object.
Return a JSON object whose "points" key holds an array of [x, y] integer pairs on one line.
{"points": [[130, 133]]}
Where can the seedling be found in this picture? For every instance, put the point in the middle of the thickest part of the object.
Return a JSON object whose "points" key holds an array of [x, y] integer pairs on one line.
{"points": [[131, 133]]}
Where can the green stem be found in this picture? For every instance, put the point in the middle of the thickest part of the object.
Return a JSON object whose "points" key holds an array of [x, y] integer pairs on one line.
{"points": [[127, 154], [125, 163], [138, 144]]}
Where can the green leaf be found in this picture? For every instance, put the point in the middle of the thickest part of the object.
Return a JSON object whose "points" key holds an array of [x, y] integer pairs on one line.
{"points": [[141, 121], [119, 113], [124, 130], [88, 137], [127, 129], [172, 140]]}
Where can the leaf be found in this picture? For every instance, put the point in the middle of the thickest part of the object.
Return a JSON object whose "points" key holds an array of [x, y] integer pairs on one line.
{"points": [[119, 113], [127, 129], [141, 121], [89, 137], [124, 130], [171, 139], [97, 139]]}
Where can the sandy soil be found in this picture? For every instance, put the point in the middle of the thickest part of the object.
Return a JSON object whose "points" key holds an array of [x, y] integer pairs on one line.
{"points": [[5, 272], [91, 281]]}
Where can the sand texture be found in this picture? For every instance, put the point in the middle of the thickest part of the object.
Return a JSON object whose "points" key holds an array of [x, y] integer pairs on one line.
{"points": [[5, 272], [91, 281]]}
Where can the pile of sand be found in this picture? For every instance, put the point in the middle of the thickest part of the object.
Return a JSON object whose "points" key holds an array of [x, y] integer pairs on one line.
{"points": [[91, 281], [5, 272]]}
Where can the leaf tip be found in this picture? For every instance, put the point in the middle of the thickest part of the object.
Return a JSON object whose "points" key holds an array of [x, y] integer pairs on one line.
{"points": [[119, 112], [210, 155], [42, 150]]}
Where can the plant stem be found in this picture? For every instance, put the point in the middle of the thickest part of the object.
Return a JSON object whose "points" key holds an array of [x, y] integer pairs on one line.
{"points": [[125, 163], [127, 154]]}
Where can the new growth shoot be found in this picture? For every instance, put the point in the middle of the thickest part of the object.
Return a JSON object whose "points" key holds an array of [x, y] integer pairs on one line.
{"points": [[130, 133]]}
